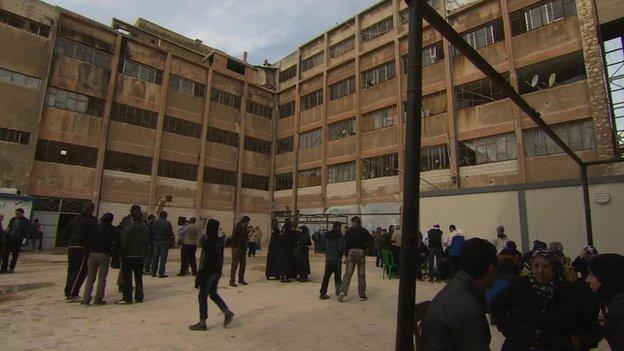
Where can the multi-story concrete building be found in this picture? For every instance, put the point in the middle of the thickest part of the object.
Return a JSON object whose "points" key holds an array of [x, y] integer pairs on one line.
{"points": [[132, 113]]}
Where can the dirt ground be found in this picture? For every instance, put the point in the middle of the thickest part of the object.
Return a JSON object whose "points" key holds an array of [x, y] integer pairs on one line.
{"points": [[269, 315]]}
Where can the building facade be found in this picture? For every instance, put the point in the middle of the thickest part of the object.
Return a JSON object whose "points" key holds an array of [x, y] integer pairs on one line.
{"points": [[126, 114]]}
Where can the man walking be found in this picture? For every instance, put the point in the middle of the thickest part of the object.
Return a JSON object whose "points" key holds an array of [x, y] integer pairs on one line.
{"points": [[240, 238], [15, 233], [78, 230], [188, 239], [133, 248], [99, 247], [334, 249], [36, 237], [434, 242], [356, 242], [163, 233]]}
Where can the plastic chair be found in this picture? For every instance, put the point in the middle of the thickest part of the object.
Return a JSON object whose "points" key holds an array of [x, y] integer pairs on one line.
{"points": [[389, 265]]}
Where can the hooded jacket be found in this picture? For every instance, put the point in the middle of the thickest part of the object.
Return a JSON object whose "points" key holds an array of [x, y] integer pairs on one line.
{"points": [[78, 229]]}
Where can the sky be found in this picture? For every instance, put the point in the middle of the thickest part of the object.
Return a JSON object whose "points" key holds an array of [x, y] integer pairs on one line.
{"points": [[267, 29]]}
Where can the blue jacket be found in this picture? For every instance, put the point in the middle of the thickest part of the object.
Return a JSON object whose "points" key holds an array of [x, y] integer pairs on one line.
{"points": [[457, 243]]}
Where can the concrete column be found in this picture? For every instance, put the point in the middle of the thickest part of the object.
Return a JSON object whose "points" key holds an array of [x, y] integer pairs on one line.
{"points": [[358, 117], [451, 137], [325, 137], [204, 145], [294, 202], [399, 87], [273, 152], [241, 154]]}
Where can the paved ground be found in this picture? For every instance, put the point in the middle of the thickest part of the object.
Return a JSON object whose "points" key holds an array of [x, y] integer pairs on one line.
{"points": [[269, 315]]}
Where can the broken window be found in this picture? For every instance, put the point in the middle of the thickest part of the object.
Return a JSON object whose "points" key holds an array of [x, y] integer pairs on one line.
{"points": [[541, 14], [257, 145], [23, 23], [287, 109], [14, 136], [187, 86], [578, 135], [378, 75], [83, 53], [285, 145], [124, 162], [342, 47], [219, 176], [69, 154], [404, 15], [259, 109], [343, 88], [283, 181], [182, 127], [343, 172], [342, 129], [236, 66], [476, 93], [142, 72], [378, 29], [68, 100], [225, 98], [489, 149], [134, 115], [21, 80], [288, 73], [431, 54], [482, 36], [562, 70], [380, 166], [311, 100], [309, 177], [385, 117], [312, 61], [434, 157], [253, 181], [222, 136], [178, 170]]}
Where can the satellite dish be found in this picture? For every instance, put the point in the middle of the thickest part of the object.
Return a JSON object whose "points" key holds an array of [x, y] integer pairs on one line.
{"points": [[534, 81], [551, 79]]}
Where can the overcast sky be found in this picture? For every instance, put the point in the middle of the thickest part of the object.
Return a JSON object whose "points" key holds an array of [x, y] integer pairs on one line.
{"points": [[265, 28]]}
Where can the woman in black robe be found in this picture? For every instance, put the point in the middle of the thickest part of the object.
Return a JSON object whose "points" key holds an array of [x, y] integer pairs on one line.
{"points": [[272, 265], [303, 256], [287, 259]]}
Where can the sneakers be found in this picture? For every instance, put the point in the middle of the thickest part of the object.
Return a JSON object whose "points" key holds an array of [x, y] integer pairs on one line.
{"points": [[232, 284], [243, 283], [200, 326], [363, 298], [73, 299], [341, 297], [324, 297], [101, 303], [86, 301], [229, 315], [122, 302]]}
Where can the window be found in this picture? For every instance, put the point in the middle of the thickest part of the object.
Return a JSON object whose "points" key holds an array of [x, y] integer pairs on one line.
{"points": [[69, 154], [378, 29], [252, 181], [434, 157], [283, 181], [14, 136], [83, 53], [578, 135], [342, 88], [431, 54], [287, 109], [378, 75], [485, 150], [285, 145], [131, 163], [187, 86], [134, 115], [342, 47], [288, 73], [224, 98], [404, 15], [477, 93], [566, 69], [21, 80], [311, 100], [380, 166], [182, 127], [309, 177], [434, 104], [259, 109], [235, 66], [342, 129], [142, 72], [482, 36], [614, 57], [220, 176], [67, 100], [257, 145], [379, 119], [540, 15], [178, 170], [311, 138], [22, 23], [312, 61], [343, 172], [222, 136]]}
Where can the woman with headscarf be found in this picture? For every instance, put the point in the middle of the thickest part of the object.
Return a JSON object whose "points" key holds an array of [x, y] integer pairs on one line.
{"points": [[303, 254], [606, 279], [272, 265], [543, 312], [287, 259], [209, 272], [581, 262]]}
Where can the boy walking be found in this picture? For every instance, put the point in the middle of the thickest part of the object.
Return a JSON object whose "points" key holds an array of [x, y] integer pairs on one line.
{"points": [[334, 249]]}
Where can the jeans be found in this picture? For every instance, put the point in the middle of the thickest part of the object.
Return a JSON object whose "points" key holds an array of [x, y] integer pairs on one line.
{"points": [[97, 265], [76, 270], [160, 250], [208, 288], [238, 257], [453, 262], [332, 266], [34, 241], [12, 247], [132, 266], [188, 258], [378, 258], [434, 255], [355, 257]]}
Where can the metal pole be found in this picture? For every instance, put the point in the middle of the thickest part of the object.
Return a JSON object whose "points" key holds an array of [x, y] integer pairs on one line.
{"points": [[586, 206], [411, 190]]}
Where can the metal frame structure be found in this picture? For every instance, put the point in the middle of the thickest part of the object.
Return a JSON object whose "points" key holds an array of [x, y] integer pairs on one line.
{"points": [[419, 9]]}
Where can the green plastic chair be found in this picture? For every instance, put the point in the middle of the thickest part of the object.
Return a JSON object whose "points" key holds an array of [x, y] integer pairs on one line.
{"points": [[389, 265]]}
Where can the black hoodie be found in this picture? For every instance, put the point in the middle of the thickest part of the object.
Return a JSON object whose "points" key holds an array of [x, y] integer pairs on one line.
{"points": [[78, 229]]}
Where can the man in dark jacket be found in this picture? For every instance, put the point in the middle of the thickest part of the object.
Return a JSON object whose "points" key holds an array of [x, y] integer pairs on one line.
{"points": [[456, 317], [208, 274], [162, 233], [133, 248], [334, 249], [356, 243], [434, 242], [77, 230], [115, 258], [15, 233], [99, 247], [240, 238]]}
